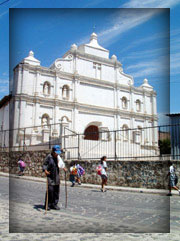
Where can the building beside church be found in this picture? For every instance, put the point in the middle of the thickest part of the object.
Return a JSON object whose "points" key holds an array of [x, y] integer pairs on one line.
{"points": [[175, 135], [85, 91]]}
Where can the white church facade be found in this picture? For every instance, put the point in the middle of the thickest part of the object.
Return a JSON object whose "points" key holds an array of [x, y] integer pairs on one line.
{"points": [[84, 91]]}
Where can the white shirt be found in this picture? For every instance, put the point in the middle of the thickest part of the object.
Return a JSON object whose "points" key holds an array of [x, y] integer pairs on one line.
{"points": [[103, 171], [172, 171]]}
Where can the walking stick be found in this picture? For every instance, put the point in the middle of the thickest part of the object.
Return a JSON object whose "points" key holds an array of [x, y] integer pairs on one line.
{"points": [[65, 190], [46, 195]]}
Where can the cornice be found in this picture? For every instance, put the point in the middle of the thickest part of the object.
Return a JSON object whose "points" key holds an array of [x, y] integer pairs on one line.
{"points": [[85, 79], [84, 107]]}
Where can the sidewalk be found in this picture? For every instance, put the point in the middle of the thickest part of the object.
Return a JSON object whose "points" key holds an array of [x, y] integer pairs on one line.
{"points": [[115, 188]]}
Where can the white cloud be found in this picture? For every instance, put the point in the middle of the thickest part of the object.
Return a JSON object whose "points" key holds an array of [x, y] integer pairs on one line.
{"points": [[4, 81], [145, 40], [4, 13], [122, 21], [7, 6], [151, 4], [146, 54], [175, 64], [158, 67]]}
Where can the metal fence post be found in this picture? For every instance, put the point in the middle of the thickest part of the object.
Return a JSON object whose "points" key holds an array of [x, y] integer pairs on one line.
{"points": [[78, 147], [64, 139], [50, 138], [115, 154], [24, 139], [60, 136], [159, 138], [4, 140]]}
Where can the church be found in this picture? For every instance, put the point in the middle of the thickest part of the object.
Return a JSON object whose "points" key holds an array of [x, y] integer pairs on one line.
{"points": [[85, 91]]}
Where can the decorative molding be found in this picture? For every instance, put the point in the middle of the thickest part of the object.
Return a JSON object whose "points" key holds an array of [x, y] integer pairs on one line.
{"points": [[71, 104]]}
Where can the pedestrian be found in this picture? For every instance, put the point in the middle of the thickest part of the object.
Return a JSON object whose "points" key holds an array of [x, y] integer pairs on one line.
{"points": [[51, 168], [80, 172], [73, 173], [172, 179], [22, 166], [103, 173]]}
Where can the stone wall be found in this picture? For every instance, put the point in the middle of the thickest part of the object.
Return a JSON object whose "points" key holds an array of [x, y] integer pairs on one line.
{"points": [[121, 173]]}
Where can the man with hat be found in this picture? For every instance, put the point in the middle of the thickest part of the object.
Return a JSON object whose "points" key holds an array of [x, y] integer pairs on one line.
{"points": [[51, 169]]}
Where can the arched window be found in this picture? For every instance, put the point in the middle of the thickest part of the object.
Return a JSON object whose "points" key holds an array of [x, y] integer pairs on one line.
{"points": [[138, 105], [125, 132], [45, 121], [65, 92], [124, 102], [46, 88], [91, 133]]}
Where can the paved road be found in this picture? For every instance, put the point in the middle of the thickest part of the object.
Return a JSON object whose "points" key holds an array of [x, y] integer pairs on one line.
{"points": [[89, 212]]}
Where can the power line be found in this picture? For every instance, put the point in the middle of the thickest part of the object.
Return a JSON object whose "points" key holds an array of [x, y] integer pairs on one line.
{"points": [[4, 2]]}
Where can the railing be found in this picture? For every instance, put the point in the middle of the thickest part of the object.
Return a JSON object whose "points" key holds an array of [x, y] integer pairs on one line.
{"points": [[150, 143]]}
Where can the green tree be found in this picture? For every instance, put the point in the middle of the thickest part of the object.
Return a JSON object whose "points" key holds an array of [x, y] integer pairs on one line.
{"points": [[165, 146]]}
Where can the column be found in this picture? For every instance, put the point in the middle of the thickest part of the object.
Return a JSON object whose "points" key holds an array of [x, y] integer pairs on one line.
{"points": [[56, 87], [36, 113], [131, 100], [144, 102], [22, 114], [36, 92], [19, 79], [55, 127], [75, 119]]}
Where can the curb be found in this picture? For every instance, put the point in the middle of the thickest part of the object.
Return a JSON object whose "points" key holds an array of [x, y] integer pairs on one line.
{"points": [[115, 188]]}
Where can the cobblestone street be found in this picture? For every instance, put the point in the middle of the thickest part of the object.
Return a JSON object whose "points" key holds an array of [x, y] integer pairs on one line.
{"points": [[96, 215]]}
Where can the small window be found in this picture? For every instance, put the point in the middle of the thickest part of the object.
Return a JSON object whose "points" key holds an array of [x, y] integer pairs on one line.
{"points": [[124, 103], [138, 105], [65, 92], [46, 88]]}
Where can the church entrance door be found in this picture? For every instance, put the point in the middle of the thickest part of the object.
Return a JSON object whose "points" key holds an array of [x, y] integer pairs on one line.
{"points": [[91, 133]]}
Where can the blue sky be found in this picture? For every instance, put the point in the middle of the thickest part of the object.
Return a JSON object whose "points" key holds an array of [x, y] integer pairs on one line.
{"points": [[138, 37]]}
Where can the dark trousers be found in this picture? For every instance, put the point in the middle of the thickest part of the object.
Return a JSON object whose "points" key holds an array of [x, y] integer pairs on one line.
{"points": [[53, 195]]}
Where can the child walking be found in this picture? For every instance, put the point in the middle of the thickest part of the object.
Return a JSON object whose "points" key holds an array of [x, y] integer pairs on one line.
{"points": [[73, 173], [172, 179], [80, 172], [22, 166], [103, 173]]}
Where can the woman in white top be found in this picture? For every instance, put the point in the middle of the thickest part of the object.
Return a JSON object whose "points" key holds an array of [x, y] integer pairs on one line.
{"points": [[103, 173], [172, 177]]}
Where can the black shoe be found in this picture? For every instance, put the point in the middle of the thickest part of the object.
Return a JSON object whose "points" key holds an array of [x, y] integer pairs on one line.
{"points": [[72, 185], [169, 194], [79, 183], [56, 207]]}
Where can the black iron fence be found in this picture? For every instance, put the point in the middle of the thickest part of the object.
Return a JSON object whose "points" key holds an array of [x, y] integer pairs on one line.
{"points": [[150, 143]]}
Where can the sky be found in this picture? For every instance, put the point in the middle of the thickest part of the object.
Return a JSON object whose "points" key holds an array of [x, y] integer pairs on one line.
{"points": [[143, 36]]}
